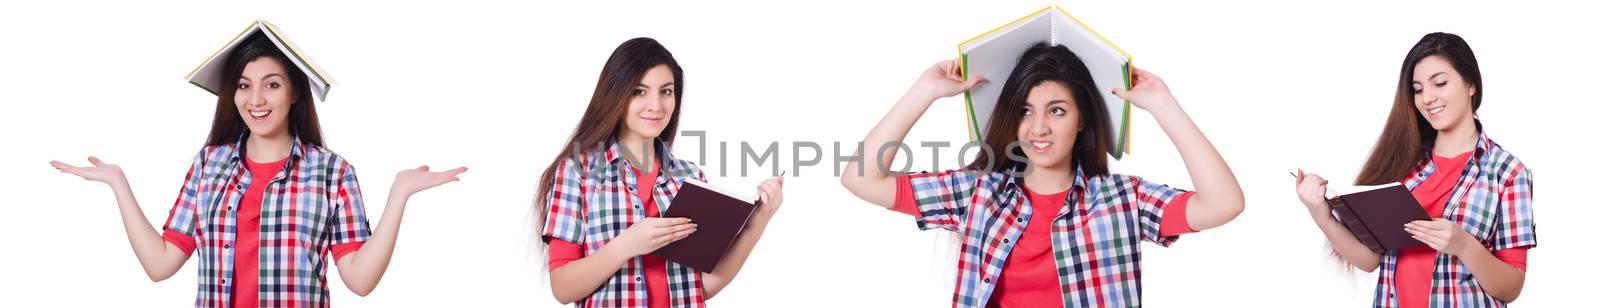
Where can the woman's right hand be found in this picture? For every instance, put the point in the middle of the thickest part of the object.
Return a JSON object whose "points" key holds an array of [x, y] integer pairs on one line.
{"points": [[1313, 192], [650, 234], [943, 79], [98, 171]]}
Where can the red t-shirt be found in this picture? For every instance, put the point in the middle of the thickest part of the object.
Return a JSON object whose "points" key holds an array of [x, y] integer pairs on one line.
{"points": [[245, 248], [1414, 269], [655, 268], [1029, 276]]}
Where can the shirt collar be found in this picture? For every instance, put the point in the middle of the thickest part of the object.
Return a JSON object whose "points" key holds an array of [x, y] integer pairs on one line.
{"points": [[296, 151], [1078, 182], [615, 154]]}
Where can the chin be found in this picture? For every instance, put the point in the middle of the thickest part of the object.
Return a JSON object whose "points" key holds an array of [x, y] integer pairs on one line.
{"points": [[1442, 125], [1048, 163], [263, 131]]}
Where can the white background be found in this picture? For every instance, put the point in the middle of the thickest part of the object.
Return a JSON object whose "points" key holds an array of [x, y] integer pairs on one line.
{"points": [[499, 87]]}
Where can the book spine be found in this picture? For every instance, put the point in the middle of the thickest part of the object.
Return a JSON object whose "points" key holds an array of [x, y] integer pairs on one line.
{"points": [[1344, 214]]}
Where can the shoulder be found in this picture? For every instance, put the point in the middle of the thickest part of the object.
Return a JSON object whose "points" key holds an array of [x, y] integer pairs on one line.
{"points": [[216, 153], [318, 157], [212, 161], [1113, 180], [1499, 163], [681, 168]]}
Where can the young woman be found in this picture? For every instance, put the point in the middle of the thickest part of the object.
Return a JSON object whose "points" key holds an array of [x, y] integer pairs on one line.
{"points": [[602, 198], [1044, 223], [264, 201], [1479, 196]]}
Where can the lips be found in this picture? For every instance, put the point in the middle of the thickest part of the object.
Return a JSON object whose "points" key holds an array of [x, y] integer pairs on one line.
{"points": [[1435, 110], [1040, 146], [260, 114], [651, 120]]}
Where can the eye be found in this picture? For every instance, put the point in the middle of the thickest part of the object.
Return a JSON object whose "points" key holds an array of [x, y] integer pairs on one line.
{"points": [[1416, 88], [638, 92], [1440, 84], [244, 86], [667, 92], [1027, 111], [274, 85], [1058, 111]]}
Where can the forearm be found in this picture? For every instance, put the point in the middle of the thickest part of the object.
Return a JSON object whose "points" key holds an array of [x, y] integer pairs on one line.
{"points": [[726, 270], [1217, 198], [159, 258], [870, 184], [578, 279], [364, 268], [1501, 280], [1345, 243]]}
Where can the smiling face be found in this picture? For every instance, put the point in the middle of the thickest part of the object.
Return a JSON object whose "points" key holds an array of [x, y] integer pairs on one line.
{"points": [[1049, 126], [651, 105], [1440, 94], [263, 97]]}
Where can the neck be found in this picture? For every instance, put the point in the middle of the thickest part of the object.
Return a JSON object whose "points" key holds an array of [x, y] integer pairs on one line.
{"points": [[639, 151], [260, 148], [1047, 180], [1462, 138]]}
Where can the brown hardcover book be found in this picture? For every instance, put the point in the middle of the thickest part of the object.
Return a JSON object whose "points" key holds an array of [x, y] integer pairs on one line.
{"points": [[1377, 216], [720, 215]]}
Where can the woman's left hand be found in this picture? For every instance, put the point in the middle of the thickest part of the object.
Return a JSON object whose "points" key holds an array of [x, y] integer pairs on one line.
{"points": [[411, 181], [1443, 235], [1149, 92], [771, 194]]}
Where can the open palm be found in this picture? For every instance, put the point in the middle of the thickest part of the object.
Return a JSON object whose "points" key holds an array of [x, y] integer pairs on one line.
{"points": [[97, 170], [411, 181]]}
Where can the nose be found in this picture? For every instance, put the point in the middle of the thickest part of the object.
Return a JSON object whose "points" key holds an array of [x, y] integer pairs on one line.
{"points": [[254, 99], [1037, 128], [660, 102], [1428, 98]]}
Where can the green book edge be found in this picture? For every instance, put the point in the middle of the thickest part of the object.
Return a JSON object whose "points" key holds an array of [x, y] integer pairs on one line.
{"points": [[972, 116]]}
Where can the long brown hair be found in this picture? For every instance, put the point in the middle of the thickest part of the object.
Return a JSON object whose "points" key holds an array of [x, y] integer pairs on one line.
{"points": [[603, 119], [227, 126], [1407, 137], [1040, 63]]}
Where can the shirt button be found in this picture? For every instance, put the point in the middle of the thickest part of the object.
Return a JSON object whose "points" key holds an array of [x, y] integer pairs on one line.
{"points": [[636, 206], [1005, 240], [224, 281], [230, 207], [1019, 219], [225, 246], [985, 280], [637, 279]]}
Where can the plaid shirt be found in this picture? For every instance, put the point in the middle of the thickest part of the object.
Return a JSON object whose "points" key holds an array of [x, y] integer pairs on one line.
{"points": [[313, 204], [593, 200], [1493, 201], [1095, 236]]}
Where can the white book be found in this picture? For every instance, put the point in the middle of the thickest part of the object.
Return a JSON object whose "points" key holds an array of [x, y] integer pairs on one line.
{"points": [[994, 54], [208, 75]]}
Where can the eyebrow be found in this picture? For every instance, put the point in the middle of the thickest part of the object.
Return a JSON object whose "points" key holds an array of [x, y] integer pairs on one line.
{"points": [[647, 86], [1049, 103], [264, 77], [1429, 77]]}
